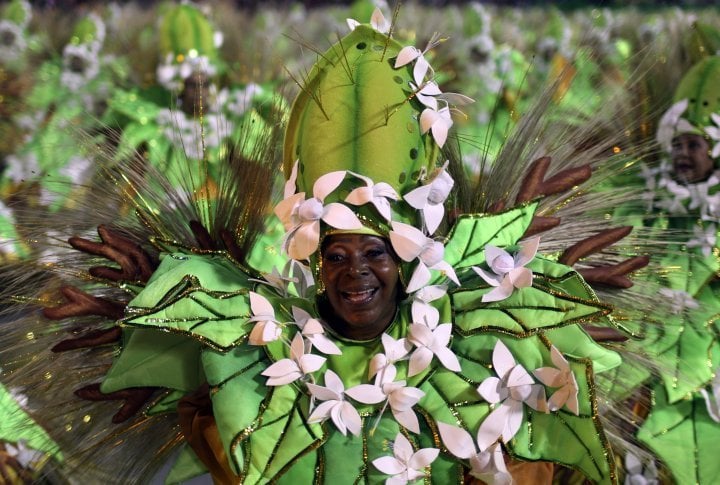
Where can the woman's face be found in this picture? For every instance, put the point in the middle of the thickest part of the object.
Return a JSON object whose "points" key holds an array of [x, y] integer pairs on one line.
{"points": [[360, 273], [691, 159]]}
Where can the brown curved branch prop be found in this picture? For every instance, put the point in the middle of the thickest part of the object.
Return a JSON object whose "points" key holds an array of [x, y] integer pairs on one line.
{"points": [[95, 338], [135, 263], [133, 399], [532, 182], [615, 275], [604, 334], [541, 224], [535, 185], [81, 304], [565, 180], [593, 244], [227, 240]]}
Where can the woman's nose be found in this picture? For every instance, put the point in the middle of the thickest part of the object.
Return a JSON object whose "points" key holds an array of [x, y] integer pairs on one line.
{"points": [[358, 265]]}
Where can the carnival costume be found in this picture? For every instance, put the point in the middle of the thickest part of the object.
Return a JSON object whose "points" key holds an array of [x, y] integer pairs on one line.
{"points": [[487, 354], [683, 416]]}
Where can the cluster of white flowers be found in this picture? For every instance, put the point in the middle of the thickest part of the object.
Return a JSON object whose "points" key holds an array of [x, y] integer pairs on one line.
{"points": [[193, 135], [176, 67], [81, 61]]}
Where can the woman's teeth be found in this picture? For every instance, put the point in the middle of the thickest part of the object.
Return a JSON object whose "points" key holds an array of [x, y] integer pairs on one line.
{"points": [[358, 296]]}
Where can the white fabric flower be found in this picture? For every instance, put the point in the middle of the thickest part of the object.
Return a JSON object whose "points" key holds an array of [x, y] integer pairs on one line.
{"points": [[377, 22], [429, 198], [704, 238], [430, 339], [299, 365], [671, 124], [395, 350], [22, 167], [334, 406], [405, 465], [714, 133], [12, 41], [376, 194], [301, 217], [267, 328], [80, 66], [438, 122], [712, 398], [410, 243], [487, 464], [421, 300], [400, 398], [559, 376], [507, 272], [513, 387], [635, 473], [679, 300], [313, 330], [281, 281], [26, 456]]}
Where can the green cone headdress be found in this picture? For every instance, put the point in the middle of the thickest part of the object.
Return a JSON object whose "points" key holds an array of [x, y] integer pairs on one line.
{"points": [[362, 145], [188, 43]]}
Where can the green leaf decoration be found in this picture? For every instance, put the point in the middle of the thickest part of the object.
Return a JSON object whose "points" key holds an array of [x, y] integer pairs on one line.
{"points": [[269, 431], [156, 359], [684, 437], [572, 340], [16, 425], [166, 404], [465, 245], [219, 320], [186, 467], [690, 270], [681, 348], [620, 383], [551, 302], [178, 302], [561, 437], [180, 272]]}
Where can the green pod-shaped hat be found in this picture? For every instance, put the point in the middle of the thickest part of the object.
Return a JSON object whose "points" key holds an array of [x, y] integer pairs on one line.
{"points": [[702, 41], [356, 112], [184, 30], [88, 30], [701, 87], [18, 12]]}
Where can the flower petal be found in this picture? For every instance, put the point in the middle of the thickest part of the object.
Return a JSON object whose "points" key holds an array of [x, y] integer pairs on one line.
{"points": [[366, 394], [406, 55], [528, 250], [492, 426], [422, 458], [407, 419], [419, 361], [325, 184], [340, 216], [499, 293], [351, 418], [389, 465], [324, 344], [420, 277], [407, 241], [305, 241], [456, 440]]}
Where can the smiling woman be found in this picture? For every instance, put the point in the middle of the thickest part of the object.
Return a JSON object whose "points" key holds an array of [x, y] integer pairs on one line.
{"points": [[360, 275]]}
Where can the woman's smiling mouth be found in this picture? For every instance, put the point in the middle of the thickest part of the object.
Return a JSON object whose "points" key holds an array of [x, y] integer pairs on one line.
{"points": [[361, 297]]}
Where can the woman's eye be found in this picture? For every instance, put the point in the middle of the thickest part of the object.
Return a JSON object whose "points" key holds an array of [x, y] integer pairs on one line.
{"points": [[375, 253], [334, 257]]}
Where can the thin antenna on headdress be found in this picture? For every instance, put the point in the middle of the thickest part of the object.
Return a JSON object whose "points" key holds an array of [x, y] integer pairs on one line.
{"points": [[345, 65], [391, 31]]}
